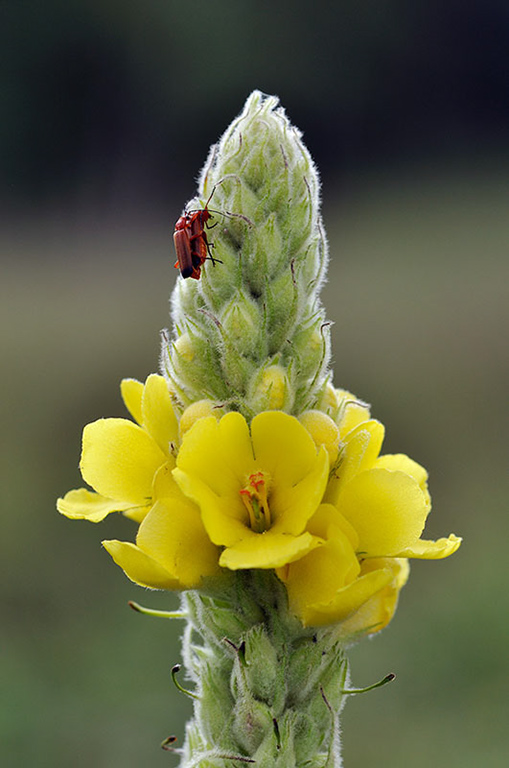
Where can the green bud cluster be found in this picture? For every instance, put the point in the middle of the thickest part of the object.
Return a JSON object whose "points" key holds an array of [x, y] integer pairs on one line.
{"points": [[251, 333], [268, 691]]}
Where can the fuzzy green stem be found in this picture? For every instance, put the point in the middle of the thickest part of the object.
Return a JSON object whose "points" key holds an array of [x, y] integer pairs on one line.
{"points": [[268, 690]]}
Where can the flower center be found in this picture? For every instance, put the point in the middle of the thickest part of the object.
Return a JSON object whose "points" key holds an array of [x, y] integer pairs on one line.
{"points": [[254, 496]]}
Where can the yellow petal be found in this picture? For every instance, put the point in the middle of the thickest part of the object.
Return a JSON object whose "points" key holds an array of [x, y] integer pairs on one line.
{"points": [[347, 600], [224, 517], [399, 461], [119, 460], [432, 550], [402, 463], [399, 566], [140, 567], [387, 509], [360, 450], [173, 535], [132, 392], [218, 453], [164, 483], [158, 416], [82, 504], [138, 514], [377, 612], [292, 507], [317, 577], [267, 550], [327, 520], [282, 447]]}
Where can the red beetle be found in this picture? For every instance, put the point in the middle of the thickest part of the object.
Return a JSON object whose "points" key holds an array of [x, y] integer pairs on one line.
{"points": [[191, 243]]}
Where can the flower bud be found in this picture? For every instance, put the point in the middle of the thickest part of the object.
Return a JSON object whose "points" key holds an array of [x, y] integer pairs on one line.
{"points": [[252, 720], [184, 347], [199, 410], [350, 411], [323, 430], [328, 401], [271, 390], [241, 323]]}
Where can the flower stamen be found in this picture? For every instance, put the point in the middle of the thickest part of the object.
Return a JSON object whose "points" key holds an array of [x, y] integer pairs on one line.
{"points": [[254, 496]]}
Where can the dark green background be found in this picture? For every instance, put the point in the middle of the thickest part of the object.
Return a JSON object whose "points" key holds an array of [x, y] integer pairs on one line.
{"points": [[108, 110]]}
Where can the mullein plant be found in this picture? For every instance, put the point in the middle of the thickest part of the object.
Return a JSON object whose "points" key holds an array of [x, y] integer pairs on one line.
{"points": [[258, 489]]}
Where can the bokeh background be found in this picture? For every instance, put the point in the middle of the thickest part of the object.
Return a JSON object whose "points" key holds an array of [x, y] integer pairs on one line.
{"points": [[108, 110]]}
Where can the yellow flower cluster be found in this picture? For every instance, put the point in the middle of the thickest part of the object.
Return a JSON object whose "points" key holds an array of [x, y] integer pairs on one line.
{"points": [[310, 498]]}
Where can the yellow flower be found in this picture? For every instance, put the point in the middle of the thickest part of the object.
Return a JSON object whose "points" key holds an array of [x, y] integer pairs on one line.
{"points": [[120, 459], [129, 466], [310, 498], [257, 489], [373, 514], [172, 549]]}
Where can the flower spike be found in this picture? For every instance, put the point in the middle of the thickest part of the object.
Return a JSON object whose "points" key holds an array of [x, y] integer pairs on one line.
{"points": [[259, 490]]}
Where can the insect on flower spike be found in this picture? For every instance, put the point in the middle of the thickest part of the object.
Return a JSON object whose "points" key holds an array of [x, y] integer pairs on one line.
{"points": [[191, 243], [190, 238]]}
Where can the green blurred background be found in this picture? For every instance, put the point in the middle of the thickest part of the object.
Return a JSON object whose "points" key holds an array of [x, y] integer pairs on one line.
{"points": [[108, 109]]}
